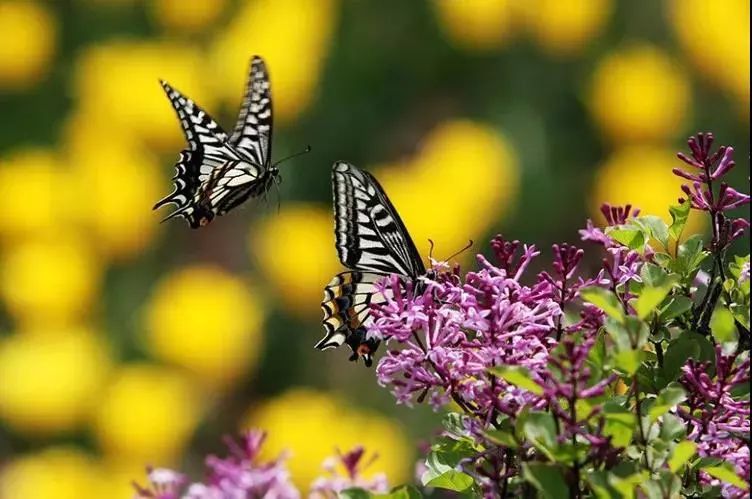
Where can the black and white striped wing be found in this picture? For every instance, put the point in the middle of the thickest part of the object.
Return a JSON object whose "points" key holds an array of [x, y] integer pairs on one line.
{"points": [[346, 305], [253, 129], [370, 235], [208, 170]]}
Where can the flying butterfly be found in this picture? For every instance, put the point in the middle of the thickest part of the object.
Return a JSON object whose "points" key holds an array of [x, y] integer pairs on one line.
{"points": [[217, 172], [372, 242]]}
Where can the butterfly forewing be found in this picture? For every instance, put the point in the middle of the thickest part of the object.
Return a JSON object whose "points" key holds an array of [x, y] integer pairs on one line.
{"points": [[370, 235], [253, 129]]}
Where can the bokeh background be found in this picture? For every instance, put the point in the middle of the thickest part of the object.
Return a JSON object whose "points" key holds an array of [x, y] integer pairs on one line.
{"points": [[126, 342]]}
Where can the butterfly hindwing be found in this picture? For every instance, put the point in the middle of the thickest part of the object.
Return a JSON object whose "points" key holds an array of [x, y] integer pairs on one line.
{"points": [[253, 129], [370, 235], [346, 304]]}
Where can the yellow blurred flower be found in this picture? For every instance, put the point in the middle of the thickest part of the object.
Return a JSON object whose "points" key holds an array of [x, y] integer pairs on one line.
{"points": [[34, 194], [715, 35], [118, 476], [293, 37], [641, 176], [312, 425], [52, 379], [564, 27], [49, 281], [118, 81], [215, 334], [187, 15], [639, 94], [29, 39], [147, 413], [59, 472], [117, 182], [295, 251], [440, 197], [477, 24]]}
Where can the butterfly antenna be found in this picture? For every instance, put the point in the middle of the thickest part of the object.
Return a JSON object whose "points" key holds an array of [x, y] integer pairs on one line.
{"points": [[430, 250], [465, 248], [305, 151]]}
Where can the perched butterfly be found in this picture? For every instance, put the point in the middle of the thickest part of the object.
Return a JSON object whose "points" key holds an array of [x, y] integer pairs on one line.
{"points": [[214, 174], [372, 242]]}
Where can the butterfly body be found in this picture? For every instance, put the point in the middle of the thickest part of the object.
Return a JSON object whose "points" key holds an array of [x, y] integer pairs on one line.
{"points": [[373, 243], [218, 171]]}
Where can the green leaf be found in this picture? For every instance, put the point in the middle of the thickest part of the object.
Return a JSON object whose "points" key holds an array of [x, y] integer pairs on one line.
{"points": [[547, 478], [670, 396], [656, 227], [628, 361], [651, 297], [451, 480], [690, 255], [354, 493], [653, 275], [722, 325], [620, 426], [679, 214], [540, 429], [689, 345], [726, 473], [403, 492], [502, 437], [672, 428], [518, 376], [675, 307], [604, 300], [634, 239], [682, 453]]}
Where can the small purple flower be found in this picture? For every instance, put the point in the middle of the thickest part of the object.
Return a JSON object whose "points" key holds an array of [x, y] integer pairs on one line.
{"points": [[354, 465], [237, 475], [717, 421]]}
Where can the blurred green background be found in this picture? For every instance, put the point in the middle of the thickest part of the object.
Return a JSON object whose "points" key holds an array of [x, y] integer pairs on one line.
{"points": [[126, 342]]}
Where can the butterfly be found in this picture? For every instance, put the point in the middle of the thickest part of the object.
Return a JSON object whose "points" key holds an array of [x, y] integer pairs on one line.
{"points": [[372, 242], [217, 172]]}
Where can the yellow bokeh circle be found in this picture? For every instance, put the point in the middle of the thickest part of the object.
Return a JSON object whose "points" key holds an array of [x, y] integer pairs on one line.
{"points": [[52, 379], [215, 334], [29, 36], [34, 194], [564, 27], [187, 15], [639, 94], [49, 281], [147, 413], [117, 182], [295, 251], [719, 43], [293, 37], [464, 180], [119, 81], [477, 24], [313, 425], [57, 472], [642, 177]]}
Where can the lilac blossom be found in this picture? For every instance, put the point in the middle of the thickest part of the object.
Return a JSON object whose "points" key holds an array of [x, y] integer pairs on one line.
{"points": [[240, 474], [700, 193], [354, 465], [717, 422], [439, 360]]}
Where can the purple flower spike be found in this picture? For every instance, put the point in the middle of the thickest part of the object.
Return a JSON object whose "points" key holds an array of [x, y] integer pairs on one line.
{"points": [[352, 461], [618, 215]]}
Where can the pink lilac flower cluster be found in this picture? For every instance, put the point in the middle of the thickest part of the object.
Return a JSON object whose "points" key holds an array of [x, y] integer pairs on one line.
{"points": [[716, 421], [242, 475], [708, 168]]}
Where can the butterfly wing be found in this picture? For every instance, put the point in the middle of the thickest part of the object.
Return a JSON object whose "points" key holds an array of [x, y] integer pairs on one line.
{"points": [[210, 174], [370, 235], [253, 129], [347, 299]]}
